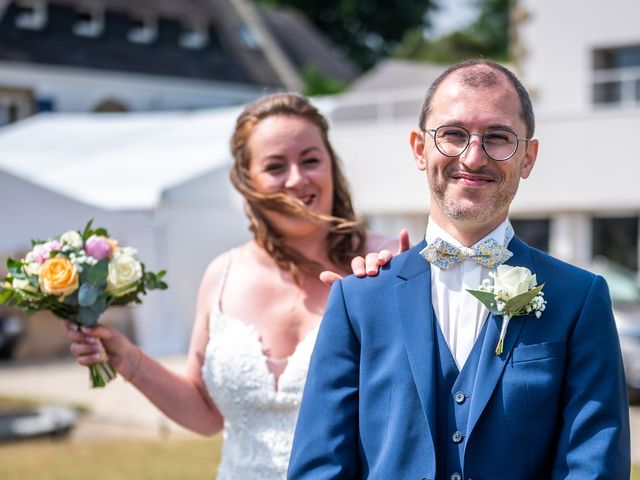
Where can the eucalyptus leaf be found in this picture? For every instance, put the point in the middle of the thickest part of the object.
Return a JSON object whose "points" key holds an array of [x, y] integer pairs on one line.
{"points": [[87, 295], [72, 299], [97, 274], [89, 315], [100, 306], [487, 299], [518, 302]]}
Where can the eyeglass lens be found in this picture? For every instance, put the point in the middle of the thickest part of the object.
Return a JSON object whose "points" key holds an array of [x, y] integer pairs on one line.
{"points": [[498, 144]]}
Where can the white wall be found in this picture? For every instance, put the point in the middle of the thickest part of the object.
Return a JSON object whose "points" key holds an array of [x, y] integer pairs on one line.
{"points": [[558, 39], [79, 90]]}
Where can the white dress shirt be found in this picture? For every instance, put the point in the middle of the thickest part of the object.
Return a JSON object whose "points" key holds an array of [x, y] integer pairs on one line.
{"points": [[460, 315]]}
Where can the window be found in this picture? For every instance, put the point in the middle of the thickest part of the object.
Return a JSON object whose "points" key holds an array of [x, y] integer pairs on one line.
{"points": [[89, 23], [248, 38], [534, 232], [32, 14], [616, 238], [143, 30], [194, 38], [617, 76]]}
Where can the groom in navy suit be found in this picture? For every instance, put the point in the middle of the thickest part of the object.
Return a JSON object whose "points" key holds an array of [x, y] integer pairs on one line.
{"points": [[405, 382]]}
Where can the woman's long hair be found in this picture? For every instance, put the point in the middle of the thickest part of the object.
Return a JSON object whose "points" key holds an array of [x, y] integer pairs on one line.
{"points": [[345, 237]]}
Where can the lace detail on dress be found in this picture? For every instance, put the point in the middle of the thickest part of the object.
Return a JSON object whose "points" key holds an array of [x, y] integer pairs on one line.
{"points": [[259, 419]]}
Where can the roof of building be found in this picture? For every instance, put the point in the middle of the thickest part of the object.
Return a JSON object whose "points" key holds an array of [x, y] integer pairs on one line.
{"points": [[56, 44], [306, 46], [236, 51], [198, 11], [397, 74]]}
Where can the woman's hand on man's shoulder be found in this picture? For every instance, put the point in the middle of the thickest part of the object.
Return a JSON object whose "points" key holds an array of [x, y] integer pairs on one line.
{"points": [[380, 248]]}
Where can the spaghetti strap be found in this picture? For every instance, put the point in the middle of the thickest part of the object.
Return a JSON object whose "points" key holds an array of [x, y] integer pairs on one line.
{"points": [[224, 280]]}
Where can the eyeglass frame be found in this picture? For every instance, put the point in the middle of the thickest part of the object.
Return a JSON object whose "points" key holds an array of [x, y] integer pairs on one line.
{"points": [[432, 132]]}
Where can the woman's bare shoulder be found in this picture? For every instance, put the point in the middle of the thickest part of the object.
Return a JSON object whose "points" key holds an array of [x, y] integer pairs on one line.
{"points": [[217, 268]]}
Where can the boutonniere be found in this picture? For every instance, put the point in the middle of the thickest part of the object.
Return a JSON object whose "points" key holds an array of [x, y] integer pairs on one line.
{"points": [[514, 292]]}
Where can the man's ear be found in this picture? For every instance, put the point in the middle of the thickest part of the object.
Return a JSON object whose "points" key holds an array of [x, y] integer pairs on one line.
{"points": [[530, 156], [416, 139]]}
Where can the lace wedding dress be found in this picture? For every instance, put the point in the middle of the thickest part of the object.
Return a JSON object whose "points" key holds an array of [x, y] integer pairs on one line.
{"points": [[259, 408]]}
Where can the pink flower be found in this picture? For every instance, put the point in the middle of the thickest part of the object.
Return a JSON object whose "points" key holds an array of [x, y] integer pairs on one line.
{"points": [[41, 252], [98, 247]]}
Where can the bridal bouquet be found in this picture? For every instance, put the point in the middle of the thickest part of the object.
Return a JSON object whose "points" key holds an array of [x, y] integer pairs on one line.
{"points": [[76, 276]]}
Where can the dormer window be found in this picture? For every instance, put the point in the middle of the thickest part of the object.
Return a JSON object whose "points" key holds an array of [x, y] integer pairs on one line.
{"points": [[143, 30], [32, 14], [248, 38], [194, 37], [89, 22]]}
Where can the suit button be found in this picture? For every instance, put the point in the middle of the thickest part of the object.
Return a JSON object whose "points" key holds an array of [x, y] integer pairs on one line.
{"points": [[457, 437], [456, 476], [459, 397]]}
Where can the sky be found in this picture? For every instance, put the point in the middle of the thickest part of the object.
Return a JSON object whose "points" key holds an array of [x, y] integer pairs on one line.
{"points": [[452, 15]]}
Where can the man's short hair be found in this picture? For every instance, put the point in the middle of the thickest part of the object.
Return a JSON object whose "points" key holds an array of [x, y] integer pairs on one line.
{"points": [[481, 77]]}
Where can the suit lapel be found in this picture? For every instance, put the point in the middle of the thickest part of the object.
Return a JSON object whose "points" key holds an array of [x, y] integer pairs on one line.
{"points": [[491, 366], [414, 309]]}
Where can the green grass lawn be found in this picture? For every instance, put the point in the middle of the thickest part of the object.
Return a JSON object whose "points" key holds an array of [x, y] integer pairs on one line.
{"points": [[175, 459], [64, 459], [170, 459]]}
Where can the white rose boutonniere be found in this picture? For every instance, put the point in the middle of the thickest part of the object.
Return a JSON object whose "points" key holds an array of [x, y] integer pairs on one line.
{"points": [[513, 293]]}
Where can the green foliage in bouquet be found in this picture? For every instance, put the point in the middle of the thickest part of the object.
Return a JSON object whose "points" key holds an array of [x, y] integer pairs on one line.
{"points": [[77, 276]]}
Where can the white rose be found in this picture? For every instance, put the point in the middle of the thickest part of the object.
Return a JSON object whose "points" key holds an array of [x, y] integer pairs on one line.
{"points": [[123, 270], [32, 268], [513, 280], [71, 238], [23, 284]]}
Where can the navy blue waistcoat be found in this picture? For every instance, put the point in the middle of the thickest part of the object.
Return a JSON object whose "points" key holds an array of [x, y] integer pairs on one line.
{"points": [[454, 389]]}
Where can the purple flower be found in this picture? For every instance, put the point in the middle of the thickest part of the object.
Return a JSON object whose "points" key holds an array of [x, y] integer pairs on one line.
{"points": [[41, 252], [98, 247]]}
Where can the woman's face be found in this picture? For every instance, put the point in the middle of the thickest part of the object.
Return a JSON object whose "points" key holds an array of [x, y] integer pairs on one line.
{"points": [[288, 155]]}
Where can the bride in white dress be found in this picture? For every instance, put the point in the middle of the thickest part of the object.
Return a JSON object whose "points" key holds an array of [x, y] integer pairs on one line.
{"points": [[259, 305]]}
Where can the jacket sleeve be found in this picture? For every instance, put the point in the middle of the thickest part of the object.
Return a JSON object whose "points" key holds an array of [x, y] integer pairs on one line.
{"points": [[593, 440], [325, 445]]}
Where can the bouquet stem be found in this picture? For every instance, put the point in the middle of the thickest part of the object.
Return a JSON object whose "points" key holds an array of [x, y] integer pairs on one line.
{"points": [[101, 373]]}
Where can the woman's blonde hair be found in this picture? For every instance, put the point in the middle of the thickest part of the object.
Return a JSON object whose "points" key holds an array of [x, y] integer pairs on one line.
{"points": [[346, 236]]}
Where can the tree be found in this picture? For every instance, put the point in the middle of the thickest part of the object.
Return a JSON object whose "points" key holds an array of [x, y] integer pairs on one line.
{"points": [[366, 30], [487, 36]]}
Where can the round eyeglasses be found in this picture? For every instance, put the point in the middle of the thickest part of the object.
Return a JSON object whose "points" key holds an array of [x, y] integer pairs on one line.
{"points": [[453, 140]]}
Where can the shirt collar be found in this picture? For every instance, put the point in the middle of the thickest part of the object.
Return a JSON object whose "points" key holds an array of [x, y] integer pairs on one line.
{"points": [[435, 231]]}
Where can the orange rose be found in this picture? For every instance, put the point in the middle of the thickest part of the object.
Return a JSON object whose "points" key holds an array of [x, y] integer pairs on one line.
{"points": [[58, 276]]}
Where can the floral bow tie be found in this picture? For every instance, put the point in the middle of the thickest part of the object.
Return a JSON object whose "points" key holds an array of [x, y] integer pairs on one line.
{"points": [[489, 253]]}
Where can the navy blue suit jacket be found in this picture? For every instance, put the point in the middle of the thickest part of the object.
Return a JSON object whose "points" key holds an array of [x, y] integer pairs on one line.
{"points": [[552, 406]]}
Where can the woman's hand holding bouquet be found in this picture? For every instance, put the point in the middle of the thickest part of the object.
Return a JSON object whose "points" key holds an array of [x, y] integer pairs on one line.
{"points": [[77, 276]]}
